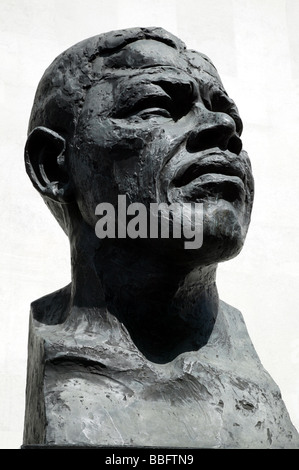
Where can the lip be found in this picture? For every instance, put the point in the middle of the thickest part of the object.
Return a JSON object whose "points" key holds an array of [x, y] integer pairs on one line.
{"points": [[214, 186], [213, 175], [216, 164]]}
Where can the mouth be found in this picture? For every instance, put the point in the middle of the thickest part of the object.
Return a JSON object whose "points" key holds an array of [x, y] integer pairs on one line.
{"points": [[211, 177]]}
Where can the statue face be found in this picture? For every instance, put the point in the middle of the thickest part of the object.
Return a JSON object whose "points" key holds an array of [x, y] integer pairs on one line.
{"points": [[148, 129]]}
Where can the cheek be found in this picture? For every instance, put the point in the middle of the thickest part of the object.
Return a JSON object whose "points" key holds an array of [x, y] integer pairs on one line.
{"points": [[92, 188], [113, 159], [135, 153], [153, 160]]}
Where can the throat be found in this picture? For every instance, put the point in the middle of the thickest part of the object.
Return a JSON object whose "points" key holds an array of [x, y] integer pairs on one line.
{"points": [[166, 308], [164, 326]]}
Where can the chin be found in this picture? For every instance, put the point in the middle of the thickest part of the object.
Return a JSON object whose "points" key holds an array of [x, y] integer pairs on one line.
{"points": [[217, 246], [224, 231]]}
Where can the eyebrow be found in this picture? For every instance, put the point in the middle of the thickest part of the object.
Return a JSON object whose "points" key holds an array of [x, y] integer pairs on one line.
{"points": [[149, 70]]}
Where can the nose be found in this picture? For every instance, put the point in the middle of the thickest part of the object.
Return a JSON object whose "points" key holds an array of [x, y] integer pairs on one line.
{"points": [[215, 129]]}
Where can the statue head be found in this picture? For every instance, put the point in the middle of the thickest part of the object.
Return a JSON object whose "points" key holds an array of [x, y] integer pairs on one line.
{"points": [[135, 113]]}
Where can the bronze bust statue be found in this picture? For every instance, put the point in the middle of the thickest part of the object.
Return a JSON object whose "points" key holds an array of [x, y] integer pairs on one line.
{"points": [[138, 350]]}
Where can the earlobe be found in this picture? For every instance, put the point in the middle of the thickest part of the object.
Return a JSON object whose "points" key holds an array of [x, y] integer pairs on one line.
{"points": [[45, 164]]}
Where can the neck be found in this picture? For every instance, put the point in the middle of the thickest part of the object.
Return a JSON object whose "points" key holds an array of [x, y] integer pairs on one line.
{"points": [[167, 308]]}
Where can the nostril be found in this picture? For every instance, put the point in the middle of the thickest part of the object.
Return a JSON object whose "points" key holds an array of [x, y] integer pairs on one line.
{"points": [[218, 130], [234, 144], [205, 138]]}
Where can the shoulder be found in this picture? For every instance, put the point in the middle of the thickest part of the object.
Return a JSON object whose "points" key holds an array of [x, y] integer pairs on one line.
{"points": [[241, 350], [52, 308]]}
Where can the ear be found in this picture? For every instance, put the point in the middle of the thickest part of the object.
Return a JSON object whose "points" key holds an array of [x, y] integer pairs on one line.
{"points": [[46, 166]]}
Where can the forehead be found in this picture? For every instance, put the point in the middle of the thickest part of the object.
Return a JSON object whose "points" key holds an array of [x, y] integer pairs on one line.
{"points": [[146, 54], [134, 66], [72, 77]]}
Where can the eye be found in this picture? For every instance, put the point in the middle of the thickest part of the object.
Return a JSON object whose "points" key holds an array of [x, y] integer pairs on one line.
{"points": [[151, 112], [217, 100], [171, 100], [183, 93], [146, 106], [207, 103], [153, 105]]}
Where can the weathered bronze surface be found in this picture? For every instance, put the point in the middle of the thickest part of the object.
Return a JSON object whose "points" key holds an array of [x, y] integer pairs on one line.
{"points": [[138, 350]]}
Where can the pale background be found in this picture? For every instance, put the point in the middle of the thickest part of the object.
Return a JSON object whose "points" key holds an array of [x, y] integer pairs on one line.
{"points": [[255, 46]]}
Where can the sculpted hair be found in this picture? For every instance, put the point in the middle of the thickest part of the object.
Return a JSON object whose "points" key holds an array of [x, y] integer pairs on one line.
{"points": [[61, 91], [62, 88]]}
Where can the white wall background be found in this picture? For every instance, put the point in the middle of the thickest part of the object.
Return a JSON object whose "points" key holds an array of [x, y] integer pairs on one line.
{"points": [[255, 46]]}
